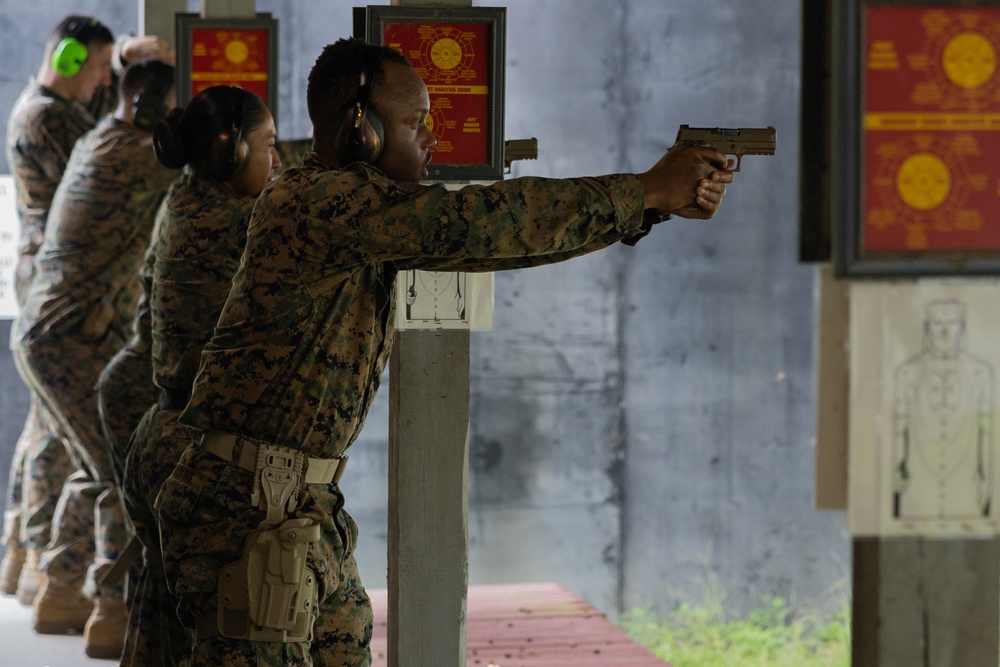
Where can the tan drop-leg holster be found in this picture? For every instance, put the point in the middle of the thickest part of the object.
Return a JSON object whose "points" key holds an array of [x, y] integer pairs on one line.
{"points": [[270, 594]]}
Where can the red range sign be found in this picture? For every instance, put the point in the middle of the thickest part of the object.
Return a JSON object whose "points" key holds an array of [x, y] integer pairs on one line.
{"points": [[453, 59], [931, 129], [232, 57]]}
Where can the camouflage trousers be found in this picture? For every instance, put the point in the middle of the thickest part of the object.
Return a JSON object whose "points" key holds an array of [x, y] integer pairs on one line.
{"points": [[38, 470], [125, 390], [40, 464], [62, 372], [205, 518], [155, 636]]}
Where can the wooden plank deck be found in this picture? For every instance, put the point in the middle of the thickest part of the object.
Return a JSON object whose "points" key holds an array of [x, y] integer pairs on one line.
{"points": [[531, 625]]}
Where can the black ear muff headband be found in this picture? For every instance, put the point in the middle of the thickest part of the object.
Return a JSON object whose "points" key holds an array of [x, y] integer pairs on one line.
{"points": [[230, 152], [360, 137]]}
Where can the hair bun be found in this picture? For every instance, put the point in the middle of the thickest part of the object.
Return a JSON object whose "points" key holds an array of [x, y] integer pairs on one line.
{"points": [[168, 142]]}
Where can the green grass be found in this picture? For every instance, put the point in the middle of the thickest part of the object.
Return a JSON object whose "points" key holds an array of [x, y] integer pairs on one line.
{"points": [[702, 634], [769, 636]]}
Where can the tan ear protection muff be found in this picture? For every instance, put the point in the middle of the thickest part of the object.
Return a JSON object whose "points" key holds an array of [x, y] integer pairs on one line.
{"points": [[230, 151], [70, 53], [359, 137]]}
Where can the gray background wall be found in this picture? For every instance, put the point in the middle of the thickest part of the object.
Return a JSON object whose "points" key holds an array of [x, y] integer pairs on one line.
{"points": [[642, 424]]}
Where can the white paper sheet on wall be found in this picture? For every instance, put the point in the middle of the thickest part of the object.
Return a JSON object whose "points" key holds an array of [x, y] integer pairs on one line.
{"points": [[9, 231], [444, 300], [923, 454]]}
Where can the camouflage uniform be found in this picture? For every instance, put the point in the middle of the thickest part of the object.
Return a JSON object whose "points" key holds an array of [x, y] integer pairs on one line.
{"points": [[201, 231], [125, 388], [38, 470], [41, 132], [300, 348], [292, 152], [73, 322]]}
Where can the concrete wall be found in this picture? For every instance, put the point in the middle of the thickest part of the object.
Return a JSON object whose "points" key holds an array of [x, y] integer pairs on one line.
{"points": [[642, 417]]}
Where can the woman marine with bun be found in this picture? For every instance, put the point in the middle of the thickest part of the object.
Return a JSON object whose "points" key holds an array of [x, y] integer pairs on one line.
{"points": [[225, 140]]}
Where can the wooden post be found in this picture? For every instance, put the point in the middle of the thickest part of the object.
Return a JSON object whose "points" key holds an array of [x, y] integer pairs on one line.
{"points": [[832, 389], [156, 17], [428, 498], [428, 539], [921, 602], [213, 9]]}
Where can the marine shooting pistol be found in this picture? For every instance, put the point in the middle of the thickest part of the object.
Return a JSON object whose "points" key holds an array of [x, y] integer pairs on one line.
{"points": [[738, 141]]}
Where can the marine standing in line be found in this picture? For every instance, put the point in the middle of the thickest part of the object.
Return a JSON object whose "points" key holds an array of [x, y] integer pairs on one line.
{"points": [[82, 297], [225, 139], [69, 93], [44, 125]]}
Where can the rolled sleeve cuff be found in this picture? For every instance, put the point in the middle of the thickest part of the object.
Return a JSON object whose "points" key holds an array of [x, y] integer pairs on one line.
{"points": [[629, 202]]}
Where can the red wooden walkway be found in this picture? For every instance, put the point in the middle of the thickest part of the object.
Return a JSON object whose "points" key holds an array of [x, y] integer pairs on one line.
{"points": [[531, 625]]}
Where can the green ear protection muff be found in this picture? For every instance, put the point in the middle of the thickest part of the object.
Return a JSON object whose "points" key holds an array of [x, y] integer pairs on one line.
{"points": [[70, 53]]}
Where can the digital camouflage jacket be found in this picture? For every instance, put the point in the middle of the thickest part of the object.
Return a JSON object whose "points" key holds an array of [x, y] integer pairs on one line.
{"points": [[301, 344], [98, 231]]}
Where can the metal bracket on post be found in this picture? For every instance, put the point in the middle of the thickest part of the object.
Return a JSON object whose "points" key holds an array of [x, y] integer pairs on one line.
{"points": [[424, 3]]}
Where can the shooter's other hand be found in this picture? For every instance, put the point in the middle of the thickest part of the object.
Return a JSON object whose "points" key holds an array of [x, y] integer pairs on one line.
{"points": [[149, 47]]}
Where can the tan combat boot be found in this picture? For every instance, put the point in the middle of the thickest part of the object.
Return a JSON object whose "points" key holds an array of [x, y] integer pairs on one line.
{"points": [[31, 578], [105, 631], [60, 609], [10, 569]]}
